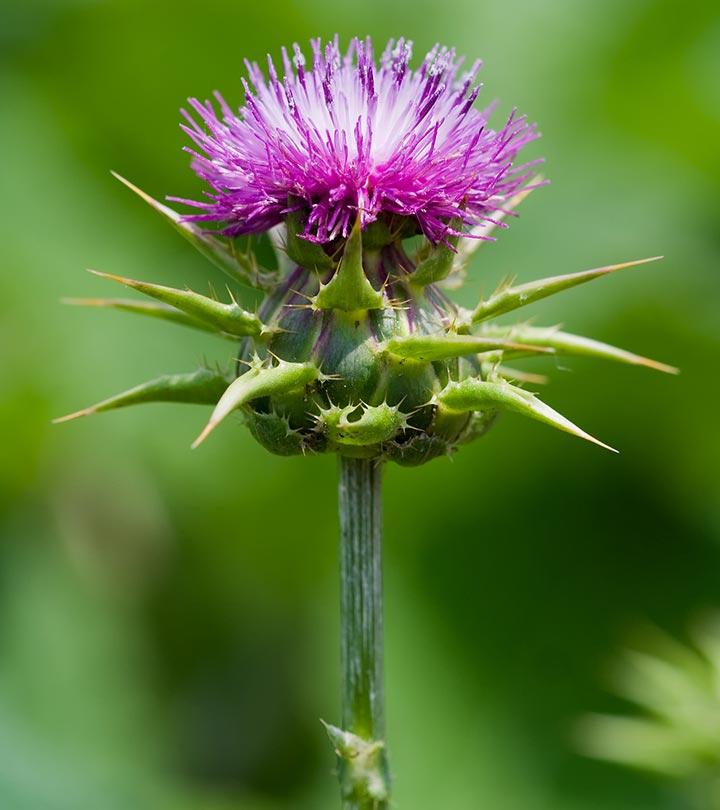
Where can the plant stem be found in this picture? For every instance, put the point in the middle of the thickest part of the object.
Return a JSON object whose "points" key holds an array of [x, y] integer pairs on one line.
{"points": [[361, 617]]}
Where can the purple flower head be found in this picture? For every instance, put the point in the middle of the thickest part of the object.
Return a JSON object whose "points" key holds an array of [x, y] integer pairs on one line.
{"points": [[346, 137]]}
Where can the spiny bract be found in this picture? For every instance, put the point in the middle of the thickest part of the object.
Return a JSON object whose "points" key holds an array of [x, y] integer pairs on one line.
{"points": [[375, 185]]}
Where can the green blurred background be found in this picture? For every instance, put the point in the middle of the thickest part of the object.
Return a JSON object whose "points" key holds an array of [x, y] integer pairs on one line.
{"points": [[168, 622]]}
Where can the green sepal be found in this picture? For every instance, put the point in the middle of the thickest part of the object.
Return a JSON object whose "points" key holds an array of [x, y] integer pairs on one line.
{"points": [[478, 425], [444, 347], [153, 309], [364, 772], [418, 449], [566, 343], [506, 297], [273, 431], [439, 261], [307, 254], [378, 234], [349, 289], [241, 267], [376, 423], [474, 394], [259, 382], [229, 318], [201, 387]]}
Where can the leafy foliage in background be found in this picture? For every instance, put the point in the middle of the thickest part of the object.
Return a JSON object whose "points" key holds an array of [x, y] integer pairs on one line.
{"points": [[677, 730]]}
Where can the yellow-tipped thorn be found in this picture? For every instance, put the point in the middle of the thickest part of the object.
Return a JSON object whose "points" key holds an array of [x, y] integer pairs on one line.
{"points": [[133, 187], [583, 435], [70, 416], [565, 343], [657, 365], [110, 276], [206, 431]]}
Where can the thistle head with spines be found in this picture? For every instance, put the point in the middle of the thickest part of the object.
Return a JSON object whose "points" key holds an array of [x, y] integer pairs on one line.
{"points": [[376, 185]]}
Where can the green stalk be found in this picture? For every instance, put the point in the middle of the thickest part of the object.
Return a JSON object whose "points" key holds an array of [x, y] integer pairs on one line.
{"points": [[362, 761]]}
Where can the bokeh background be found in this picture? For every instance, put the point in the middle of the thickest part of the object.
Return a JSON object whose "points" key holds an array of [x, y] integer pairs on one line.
{"points": [[168, 621]]}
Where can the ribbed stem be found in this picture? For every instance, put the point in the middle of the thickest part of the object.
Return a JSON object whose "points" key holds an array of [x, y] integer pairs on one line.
{"points": [[361, 617]]}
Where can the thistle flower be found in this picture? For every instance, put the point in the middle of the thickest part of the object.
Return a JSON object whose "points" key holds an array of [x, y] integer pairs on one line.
{"points": [[356, 349], [375, 183], [349, 139]]}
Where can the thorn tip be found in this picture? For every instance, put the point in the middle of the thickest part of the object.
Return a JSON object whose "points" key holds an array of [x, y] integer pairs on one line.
{"points": [[69, 417], [206, 431]]}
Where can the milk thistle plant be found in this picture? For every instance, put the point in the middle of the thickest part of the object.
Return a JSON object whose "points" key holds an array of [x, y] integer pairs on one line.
{"points": [[375, 182]]}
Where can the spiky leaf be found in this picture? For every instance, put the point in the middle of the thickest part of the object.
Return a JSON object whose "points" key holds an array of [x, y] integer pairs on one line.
{"points": [[241, 267], [474, 394], [349, 289], [259, 382], [229, 318], [153, 309], [446, 346], [507, 298], [569, 344], [202, 387], [364, 775], [375, 424]]}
